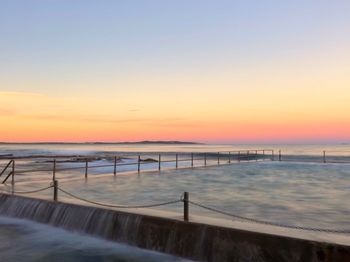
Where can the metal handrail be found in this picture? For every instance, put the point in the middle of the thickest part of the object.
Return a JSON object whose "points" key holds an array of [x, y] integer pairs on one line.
{"points": [[9, 174], [192, 158], [11, 157], [6, 167]]}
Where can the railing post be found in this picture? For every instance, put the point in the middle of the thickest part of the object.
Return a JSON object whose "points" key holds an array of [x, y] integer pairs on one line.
{"points": [[159, 161], [324, 157], [191, 159], [218, 158], [13, 176], [229, 157], [205, 159], [54, 170], [279, 155], [86, 168], [186, 206], [139, 164], [176, 161], [115, 166], [13, 172], [55, 191]]}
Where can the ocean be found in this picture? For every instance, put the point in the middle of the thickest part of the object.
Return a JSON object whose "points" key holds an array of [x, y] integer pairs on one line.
{"points": [[300, 190]]}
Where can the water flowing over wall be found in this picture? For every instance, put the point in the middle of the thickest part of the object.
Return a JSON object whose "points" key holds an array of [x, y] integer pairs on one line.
{"points": [[185, 239]]}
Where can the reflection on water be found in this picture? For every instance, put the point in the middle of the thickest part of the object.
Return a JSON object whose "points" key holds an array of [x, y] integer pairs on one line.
{"points": [[24, 241], [309, 194]]}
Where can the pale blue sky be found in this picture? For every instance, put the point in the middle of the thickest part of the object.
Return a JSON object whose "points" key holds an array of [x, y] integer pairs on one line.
{"points": [[47, 40]]}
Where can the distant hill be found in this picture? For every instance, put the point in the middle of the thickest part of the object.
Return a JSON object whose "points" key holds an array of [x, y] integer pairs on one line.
{"points": [[110, 143], [150, 142]]}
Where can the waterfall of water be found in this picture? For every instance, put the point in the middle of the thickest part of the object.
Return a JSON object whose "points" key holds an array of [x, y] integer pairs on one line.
{"points": [[185, 239]]}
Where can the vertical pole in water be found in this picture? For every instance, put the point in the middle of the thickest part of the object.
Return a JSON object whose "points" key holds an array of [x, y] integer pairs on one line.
{"points": [[229, 157], [86, 168], [273, 155], [13, 172], [54, 170], [139, 164], [248, 155], [279, 155], [191, 159], [55, 191], [205, 159], [218, 158], [263, 154], [159, 161], [186, 201], [13, 176], [239, 156], [176, 161], [115, 166], [324, 157], [256, 155]]}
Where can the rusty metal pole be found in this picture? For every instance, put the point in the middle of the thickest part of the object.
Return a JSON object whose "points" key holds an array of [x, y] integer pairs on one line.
{"points": [[229, 157], [186, 206], [139, 164], [273, 155], [205, 159], [176, 161], [115, 166], [218, 158], [279, 155], [248, 155], [256, 155], [324, 157], [191, 159], [13, 176], [86, 168], [239, 156], [55, 191], [263, 154], [54, 170], [159, 161], [13, 172]]}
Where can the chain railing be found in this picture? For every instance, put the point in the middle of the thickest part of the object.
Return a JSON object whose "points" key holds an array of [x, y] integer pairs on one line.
{"points": [[269, 223], [325, 156], [159, 161], [137, 162], [119, 206], [186, 207]]}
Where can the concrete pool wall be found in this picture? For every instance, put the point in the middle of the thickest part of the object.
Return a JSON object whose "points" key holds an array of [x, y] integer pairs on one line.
{"points": [[191, 240]]}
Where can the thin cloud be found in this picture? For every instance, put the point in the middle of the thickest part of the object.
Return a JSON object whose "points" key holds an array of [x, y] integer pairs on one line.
{"points": [[108, 120], [6, 112], [10, 93]]}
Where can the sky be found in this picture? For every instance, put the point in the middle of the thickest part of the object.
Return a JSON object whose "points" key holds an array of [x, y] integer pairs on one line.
{"points": [[207, 71]]}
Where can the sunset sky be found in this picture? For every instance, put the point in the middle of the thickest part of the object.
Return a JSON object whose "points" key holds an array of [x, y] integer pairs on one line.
{"points": [[207, 71]]}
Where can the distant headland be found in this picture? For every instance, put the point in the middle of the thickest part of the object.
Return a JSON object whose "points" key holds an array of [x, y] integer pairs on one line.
{"points": [[146, 142]]}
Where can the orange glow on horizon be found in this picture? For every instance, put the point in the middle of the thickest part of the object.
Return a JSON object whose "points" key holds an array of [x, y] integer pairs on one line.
{"points": [[223, 114]]}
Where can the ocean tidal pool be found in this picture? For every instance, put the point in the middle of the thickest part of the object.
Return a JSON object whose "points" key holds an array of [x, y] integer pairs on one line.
{"points": [[291, 193]]}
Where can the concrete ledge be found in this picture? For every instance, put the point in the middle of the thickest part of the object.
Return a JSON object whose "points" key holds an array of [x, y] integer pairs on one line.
{"points": [[186, 239]]}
